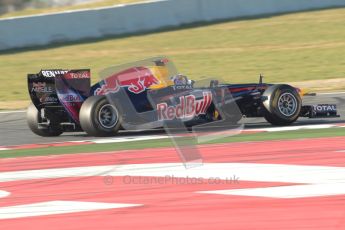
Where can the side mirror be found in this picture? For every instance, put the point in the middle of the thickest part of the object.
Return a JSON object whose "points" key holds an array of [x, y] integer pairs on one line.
{"points": [[192, 82], [261, 79], [214, 83]]}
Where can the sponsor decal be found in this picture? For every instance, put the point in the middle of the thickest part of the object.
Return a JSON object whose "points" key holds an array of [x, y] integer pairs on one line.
{"points": [[188, 107], [48, 100], [41, 87], [141, 84], [177, 87], [325, 108], [78, 75], [136, 79], [109, 85], [70, 98], [53, 73]]}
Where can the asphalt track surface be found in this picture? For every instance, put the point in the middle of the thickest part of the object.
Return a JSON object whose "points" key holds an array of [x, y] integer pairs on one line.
{"points": [[14, 130]]}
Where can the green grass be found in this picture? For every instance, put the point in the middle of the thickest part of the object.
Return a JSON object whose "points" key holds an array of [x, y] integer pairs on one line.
{"points": [[33, 11], [293, 47], [285, 135]]}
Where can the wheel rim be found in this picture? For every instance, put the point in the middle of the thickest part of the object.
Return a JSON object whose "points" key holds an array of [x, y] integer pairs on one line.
{"points": [[287, 104], [108, 116]]}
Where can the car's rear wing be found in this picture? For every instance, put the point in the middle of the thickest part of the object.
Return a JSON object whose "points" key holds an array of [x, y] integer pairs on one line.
{"points": [[58, 87]]}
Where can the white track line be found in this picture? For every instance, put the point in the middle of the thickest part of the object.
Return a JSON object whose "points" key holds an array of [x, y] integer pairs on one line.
{"points": [[290, 191], [56, 207], [4, 193], [13, 111], [245, 171], [294, 128], [314, 180], [127, 139], [98, 141], [334, 93]]}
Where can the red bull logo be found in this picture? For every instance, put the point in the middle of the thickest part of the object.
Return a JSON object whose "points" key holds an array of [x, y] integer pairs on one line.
{"points": [[136, 79], [189, 107]]}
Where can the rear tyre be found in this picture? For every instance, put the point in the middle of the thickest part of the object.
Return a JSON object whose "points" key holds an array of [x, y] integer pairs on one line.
{"points": [[33, 117], [282, 105], [99, 118]]}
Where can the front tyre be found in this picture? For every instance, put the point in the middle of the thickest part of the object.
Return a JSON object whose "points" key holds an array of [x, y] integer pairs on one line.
{"points": [[99, 118], [282, 104], [33, 117]]}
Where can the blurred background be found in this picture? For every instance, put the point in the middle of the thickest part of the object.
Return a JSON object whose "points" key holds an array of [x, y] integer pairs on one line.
{"points": [[298, 42], [12, 8]]}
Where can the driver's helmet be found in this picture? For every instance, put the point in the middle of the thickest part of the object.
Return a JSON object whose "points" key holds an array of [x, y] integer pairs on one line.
{"points": [[180, 79]]}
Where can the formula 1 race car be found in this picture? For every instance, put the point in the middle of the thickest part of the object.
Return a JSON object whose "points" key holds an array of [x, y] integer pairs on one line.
{"points": [[151, 91]]}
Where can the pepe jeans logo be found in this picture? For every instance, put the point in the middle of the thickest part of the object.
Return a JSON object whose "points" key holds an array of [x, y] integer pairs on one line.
{"points": [[41, 87], [188, 107]]}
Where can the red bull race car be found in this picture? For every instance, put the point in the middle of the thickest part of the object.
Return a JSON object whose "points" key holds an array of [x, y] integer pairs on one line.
{"points": [[152, 92]]}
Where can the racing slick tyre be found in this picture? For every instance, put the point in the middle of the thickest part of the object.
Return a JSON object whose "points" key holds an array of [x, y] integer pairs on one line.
{"points": [[99, 118], [282, 104], [33, 117]]}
